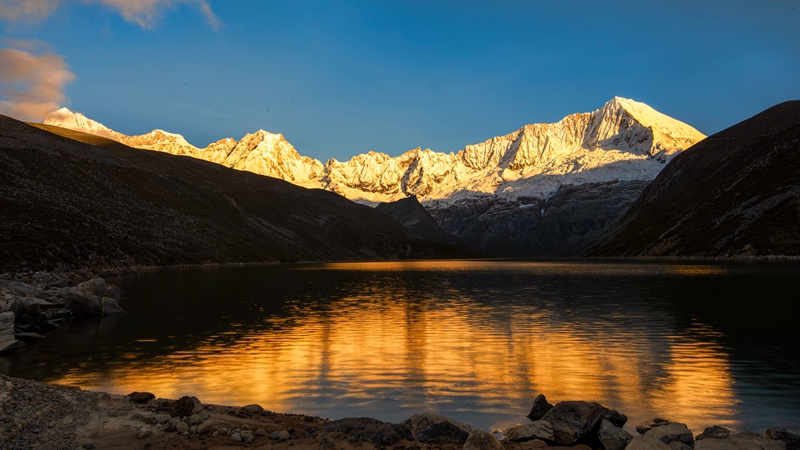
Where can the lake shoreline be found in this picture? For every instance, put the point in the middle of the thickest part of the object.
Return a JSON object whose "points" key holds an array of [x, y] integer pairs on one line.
{"points": [[40, 415]]}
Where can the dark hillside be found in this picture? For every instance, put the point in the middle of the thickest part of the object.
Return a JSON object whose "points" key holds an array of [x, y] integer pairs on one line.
{"points": [[736, 193], [70, 200]]}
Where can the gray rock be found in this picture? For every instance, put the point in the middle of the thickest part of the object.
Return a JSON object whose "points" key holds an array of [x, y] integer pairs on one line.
{"points": [[616, 418], [196, 419], [714, 432], [672, 432], [185, 406], [283, 435], [541, 429], [144, 432], [21, 288], [247, 437], [643, 442], [253, 408], [740, 441], [10, 346], [481, 440], [84, 305], [172, 423], [181, 427], [236, 437], [657, 422], [436, 428], [612, 437], [141, 397], [790, 436], [678, 445], [95, 286], [162, 418], [539, 408], [261, 432], [574, 420], [7, 322], [111, 306], [206, 426], [362, 429]]}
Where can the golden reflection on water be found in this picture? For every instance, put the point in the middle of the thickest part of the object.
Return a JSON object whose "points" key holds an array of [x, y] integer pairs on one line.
{"points": [[432, 356]]}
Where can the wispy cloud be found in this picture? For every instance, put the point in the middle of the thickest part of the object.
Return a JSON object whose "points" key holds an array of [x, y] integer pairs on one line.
{"points": [[145, 13], [31, 83], [26, 11]]}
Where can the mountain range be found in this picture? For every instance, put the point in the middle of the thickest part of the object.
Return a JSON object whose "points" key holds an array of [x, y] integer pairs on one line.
{"points": [[543, 189], [71, 200]]}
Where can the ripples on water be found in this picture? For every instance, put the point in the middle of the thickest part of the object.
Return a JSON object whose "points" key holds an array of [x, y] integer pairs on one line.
{"points": [[472, 340]]}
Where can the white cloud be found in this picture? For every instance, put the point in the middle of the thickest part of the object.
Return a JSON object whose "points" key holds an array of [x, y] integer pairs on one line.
{"points": [[31, 85], [145, 13]]}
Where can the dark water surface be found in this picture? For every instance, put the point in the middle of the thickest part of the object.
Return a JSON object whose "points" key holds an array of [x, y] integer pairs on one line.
{"points": [[702, 343]]}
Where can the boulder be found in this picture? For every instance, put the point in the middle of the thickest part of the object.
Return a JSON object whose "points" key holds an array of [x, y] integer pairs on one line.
{"points": [[481, 440], [539, 408], [140, 397], [574, 421], [95, 286], [657, 422], [436, 428], [672, 432], [185, 407], [616, 418], [84, 305], [612, 437], [7, 323], [642, 442], [740, 441], [714, 432], [253, 408], [111, 306], [790, 436], [207, 426], [359, 429], [541, 429], [10, 346]]}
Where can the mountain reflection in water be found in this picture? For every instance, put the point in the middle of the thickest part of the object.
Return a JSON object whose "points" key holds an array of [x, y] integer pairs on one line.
{"points": [[472, 340]]}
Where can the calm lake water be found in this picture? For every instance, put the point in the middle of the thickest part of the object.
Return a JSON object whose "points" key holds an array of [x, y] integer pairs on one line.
{"points": [[702, 343]]}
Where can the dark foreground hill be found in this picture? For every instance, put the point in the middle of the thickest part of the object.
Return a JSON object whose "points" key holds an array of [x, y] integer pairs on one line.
{"points": [[97, 203], [734, 194]]}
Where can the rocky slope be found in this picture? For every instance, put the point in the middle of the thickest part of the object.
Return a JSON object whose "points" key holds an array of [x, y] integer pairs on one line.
{"points": [[737, 193], [542, 175], [417, 221], [97, 203]]}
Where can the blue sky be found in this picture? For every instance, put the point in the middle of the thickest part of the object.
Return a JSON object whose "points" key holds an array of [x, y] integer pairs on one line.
{"points": [[342, 77]]}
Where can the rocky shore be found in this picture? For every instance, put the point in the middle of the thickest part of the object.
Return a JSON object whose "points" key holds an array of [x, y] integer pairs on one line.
{"points": [[32, 304], [35, 415]]}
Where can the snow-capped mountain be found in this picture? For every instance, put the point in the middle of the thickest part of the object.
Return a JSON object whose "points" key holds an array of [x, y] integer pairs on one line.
{"points": [[543, 189], [624, 140], [262, 152]]}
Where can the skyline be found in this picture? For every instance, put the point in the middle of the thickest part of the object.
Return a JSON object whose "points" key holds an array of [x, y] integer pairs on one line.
{"points": [[340, 79]]}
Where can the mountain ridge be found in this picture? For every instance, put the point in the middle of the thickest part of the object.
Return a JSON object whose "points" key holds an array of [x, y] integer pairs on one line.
{"points": [[531, 161], [735, 194], [72, 200]]}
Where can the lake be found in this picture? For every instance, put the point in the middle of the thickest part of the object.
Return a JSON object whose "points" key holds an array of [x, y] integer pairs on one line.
{"points": [[705, 343]]}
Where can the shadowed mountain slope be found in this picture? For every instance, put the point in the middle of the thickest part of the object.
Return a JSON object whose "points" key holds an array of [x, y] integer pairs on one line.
{"points": [[97, 203], [736, 193], [417, 221]]}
